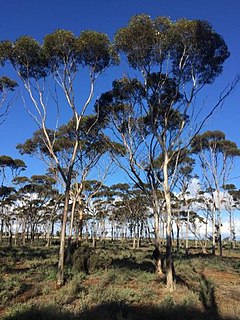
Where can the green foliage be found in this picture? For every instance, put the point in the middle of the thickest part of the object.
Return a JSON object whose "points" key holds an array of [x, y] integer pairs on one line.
{"points": [[26, 57], [95, 50], [14, 164], [167, 303], [91, 48], [215, 141], [59, 49], [140, 40], [7, 84], [188, 44]]}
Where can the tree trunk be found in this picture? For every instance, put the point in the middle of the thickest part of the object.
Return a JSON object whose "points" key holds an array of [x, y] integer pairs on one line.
{"points": [[178, 237], [206, 235], [10, 236], [80, 224], [220, 234], [24, 233], [213, 232], [134, 237], [187, 230], [72, 217], [169, 258], [1, 231], [60, 275], [16, 233], [157, 244]]}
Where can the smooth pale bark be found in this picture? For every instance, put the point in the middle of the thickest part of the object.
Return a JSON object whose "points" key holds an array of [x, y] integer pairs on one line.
{"points": [[187, 231], [219, 223], [206, 235], [1, 230], [178, 236], [213, 232], [220, 234], [16, 233], [169, 258], [157, 243], [72, 217], [60, 275], [80, 223]]}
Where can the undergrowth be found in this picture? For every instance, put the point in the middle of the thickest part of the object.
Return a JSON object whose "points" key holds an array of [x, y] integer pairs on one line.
{"points": [[118, 283]]}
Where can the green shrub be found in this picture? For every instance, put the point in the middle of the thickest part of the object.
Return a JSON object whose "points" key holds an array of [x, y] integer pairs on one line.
{"points": [[33, 312], [167, 302], [89, 260]]}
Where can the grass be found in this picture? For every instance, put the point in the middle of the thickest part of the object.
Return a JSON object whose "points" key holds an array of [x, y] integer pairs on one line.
{"points": [[127, 288]]}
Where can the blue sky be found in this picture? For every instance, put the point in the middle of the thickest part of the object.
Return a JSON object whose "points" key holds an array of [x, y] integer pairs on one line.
{"points": [[40, 17]]}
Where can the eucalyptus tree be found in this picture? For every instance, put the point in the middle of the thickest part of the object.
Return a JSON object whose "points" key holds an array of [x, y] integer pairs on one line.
{"points": [[91, 147], [155, 113], [216, 155], [6, 217], [9, 169], [103, 204], [50, 72], [7, 86], [14, 166], [84, 193], [184, 199], [33, 197], [231, 204], [131, 211]]}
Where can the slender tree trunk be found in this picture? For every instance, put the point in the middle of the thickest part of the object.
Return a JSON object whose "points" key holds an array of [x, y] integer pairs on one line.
{"points": [[72, 217], [10, 235], [187, 231], [48, 236], [60, 276], [112, 231], [16, 233], [157, 244], [1, 231], [213, 232], [219, 218], [24, 233], [140, 236], [169, 258], [206, 235], [93, 235], [220, 234], [134, 237], [231, 229], [32, 234], [178, 237], [80, 224]]}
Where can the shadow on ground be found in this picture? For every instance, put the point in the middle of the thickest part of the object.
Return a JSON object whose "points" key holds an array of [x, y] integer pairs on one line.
{"points": [[118, 311], [131, 264]]}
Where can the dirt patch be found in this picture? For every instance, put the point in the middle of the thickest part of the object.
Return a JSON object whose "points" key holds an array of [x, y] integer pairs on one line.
{"points": [[226, 290]]}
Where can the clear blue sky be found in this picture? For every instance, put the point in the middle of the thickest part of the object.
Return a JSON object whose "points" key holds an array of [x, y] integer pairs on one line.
{"points": [[40, 17]]}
